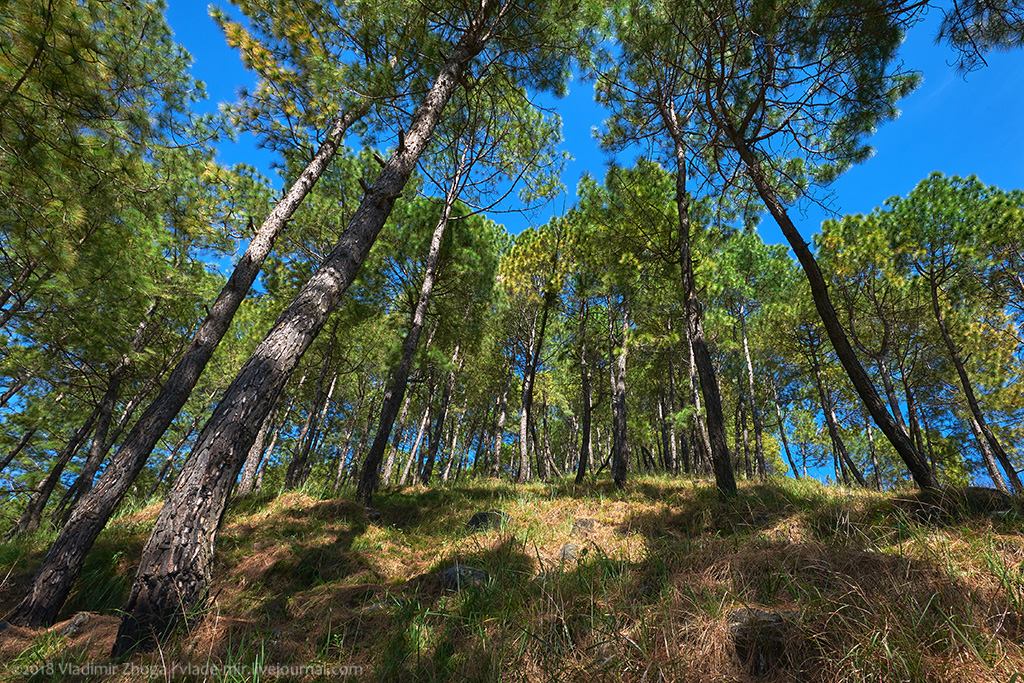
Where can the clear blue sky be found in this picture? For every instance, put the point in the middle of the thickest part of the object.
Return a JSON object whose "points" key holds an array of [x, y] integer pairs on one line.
{"points": [[954, 124]]}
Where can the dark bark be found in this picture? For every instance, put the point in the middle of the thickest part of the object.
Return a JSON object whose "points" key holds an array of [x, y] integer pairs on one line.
{"points": [[743, 437], [98, 448], [915, 423], [702, 451], [715, 419], [60, 568], [17, 386], [667, 459], [176, 565], [862, 383], [454, 442]]}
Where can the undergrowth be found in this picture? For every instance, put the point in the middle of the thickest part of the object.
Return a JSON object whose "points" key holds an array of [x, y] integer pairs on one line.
{"points": [[864, 586]]}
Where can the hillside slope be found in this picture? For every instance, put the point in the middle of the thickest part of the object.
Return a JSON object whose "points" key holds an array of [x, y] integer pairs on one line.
{"points": [[664, 581]]}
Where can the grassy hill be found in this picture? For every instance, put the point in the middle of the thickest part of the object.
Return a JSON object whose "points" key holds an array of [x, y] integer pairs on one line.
{"points": [[662, 581]]}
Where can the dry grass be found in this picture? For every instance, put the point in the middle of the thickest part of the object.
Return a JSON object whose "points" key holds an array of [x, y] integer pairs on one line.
{"points": [[871, 587]]}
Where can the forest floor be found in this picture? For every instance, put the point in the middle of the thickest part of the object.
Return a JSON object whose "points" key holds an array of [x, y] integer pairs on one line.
{"points": [[663, 581]]}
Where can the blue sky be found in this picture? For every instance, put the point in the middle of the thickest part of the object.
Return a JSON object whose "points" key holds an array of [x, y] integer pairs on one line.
{"points": [[954, 124]]}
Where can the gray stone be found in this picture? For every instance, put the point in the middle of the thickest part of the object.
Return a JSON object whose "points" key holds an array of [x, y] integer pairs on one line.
{"points": [[75, 627], [569, 551], [488, 519], [459, 576], [760, 640]]}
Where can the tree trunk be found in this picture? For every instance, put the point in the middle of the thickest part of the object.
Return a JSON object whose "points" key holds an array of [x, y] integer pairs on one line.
{"points": [[714, 418], [442, 413], [395, 392], [833, 424], [743, 436], [389, 464], [33, 512], [702, 452], [782, 432], [176, 564], [755, 413], [717, 443], [18, 447], [60, 568], [667, 457], [416, 445], [17, 386], [915, 462], [297, 471], [499, 429], [169, 460], [522, 474], [247, 482], [98, 449], [968, 388], [874, 456], [986, 455], [890, 391], [454, 442], [620, 447], [29, 433]]}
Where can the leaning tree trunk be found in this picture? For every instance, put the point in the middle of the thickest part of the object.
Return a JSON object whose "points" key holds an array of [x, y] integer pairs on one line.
{"points": [[176, 565], [60, 568], [33, 512], [98, 448], [915, 462], [968, 388], [395, 392], [986, 455], [718, 444], [27, 436]]}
